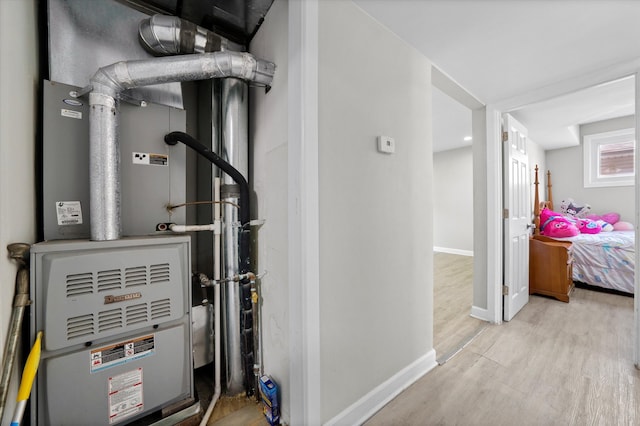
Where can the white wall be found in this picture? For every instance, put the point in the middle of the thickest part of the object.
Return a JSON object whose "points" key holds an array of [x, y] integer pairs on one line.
{"points": [[566, 166], [453, 195], [269, 180], [376, 257], [18, 123]]}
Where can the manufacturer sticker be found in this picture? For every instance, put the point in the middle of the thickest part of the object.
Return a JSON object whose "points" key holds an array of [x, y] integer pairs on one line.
{"points": [[122, 352], [125, 395], [71, 113], [149, 159], [69, 213]]}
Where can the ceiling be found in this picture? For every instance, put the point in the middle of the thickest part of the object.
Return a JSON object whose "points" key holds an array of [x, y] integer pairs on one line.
{"points": [[555, 123], [499, 49]]}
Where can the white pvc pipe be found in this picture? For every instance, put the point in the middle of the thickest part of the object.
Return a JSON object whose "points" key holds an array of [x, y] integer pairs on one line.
{"points": [[216, 305], [189, 228]]}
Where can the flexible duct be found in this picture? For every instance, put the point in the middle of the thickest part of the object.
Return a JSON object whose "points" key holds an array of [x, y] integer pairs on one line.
{"points": [[106, 85]]}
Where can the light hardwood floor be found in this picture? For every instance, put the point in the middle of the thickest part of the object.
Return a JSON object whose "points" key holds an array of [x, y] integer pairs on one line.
{"points": [[452, 299], [553, 364]]}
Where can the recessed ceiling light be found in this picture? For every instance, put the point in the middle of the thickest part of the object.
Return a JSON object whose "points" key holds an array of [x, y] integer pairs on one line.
{"points": [[467, 138]]}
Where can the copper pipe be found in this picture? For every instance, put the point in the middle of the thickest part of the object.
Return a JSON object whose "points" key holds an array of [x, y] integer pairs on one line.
{"points": [[20, 253]]}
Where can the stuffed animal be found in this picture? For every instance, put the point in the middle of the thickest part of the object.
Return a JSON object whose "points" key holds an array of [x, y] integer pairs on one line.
{"points": [[569, 207], [606, 226], [555, 225], [588, 226]]}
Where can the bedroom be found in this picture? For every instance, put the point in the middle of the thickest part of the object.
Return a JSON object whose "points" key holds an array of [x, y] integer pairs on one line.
{"points": [[556, 129], [588, 130]]}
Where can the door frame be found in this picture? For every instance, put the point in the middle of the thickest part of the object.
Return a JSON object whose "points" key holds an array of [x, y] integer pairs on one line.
{"points": [[492, 144]]}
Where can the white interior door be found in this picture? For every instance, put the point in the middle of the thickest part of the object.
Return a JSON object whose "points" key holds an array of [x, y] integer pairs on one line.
{"points": [[517, 217]]}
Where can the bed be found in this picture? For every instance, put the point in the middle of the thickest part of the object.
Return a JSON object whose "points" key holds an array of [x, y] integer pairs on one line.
{"points": [[605, 260]]}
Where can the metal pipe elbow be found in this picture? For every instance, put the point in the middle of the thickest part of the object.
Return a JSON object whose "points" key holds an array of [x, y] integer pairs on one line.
{"points": [[171, 35]]}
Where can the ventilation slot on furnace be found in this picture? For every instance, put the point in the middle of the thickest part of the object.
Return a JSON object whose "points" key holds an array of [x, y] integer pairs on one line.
{"points": [[136, 314], [160, 309], [109, 280], [79, 326], [108, 320], [135, 276], [160, 273], [79, 284]]}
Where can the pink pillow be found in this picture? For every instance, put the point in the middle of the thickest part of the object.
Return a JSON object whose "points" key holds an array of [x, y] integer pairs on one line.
{"points": [[611, 218], [622, 226]]}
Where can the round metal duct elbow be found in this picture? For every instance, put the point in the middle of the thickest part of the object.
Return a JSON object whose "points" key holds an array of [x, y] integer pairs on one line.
{"points": [[170, 35]]}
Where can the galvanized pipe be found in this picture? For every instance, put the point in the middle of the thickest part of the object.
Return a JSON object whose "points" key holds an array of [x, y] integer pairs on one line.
{"points": [[19, 252], [234, 150], [107, 84]]}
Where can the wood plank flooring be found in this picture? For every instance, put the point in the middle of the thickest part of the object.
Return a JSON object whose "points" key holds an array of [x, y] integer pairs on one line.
{"points": [[553, 364], [452, 299]]}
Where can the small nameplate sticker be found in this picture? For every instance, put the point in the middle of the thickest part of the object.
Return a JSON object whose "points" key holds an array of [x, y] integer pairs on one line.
{"points": [[121, 298]]}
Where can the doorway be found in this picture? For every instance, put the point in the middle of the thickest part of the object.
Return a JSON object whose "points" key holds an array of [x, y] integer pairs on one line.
{"points": [[564, 130], [491, 119], [454, 210]]}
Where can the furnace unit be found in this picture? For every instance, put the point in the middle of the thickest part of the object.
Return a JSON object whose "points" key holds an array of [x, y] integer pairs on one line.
{"points": [[116, 319]]}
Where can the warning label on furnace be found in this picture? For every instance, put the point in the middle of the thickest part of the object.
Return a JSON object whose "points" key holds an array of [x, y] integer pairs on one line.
{"points": [[122, 352], [69, 212], [125, 395]]}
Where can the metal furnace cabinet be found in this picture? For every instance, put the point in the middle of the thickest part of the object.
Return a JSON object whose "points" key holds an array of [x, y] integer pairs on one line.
{"points": [[116, 319]]}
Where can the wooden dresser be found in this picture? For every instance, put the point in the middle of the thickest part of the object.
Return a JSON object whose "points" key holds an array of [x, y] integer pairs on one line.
{"points": [[550, 270]]}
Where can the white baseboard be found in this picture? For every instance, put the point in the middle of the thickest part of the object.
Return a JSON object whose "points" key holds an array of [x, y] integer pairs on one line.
{"points": [[453, 251], [372, 402], [480, 313]]}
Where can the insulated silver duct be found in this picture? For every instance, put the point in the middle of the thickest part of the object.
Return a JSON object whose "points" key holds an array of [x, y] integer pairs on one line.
{"points": [[170, 35], [109, 82]]}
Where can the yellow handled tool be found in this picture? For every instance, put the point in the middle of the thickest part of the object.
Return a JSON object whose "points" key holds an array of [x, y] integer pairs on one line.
{"points": [[28, 375]]}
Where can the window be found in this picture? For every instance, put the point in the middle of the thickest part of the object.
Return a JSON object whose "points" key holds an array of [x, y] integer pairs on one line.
{"points": [[609, 158]]}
